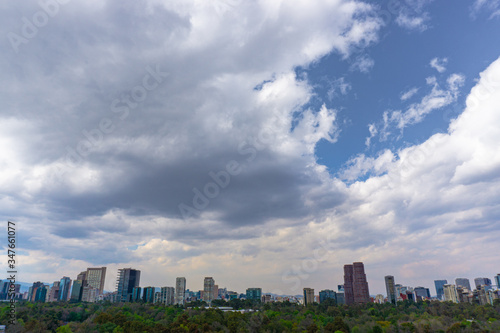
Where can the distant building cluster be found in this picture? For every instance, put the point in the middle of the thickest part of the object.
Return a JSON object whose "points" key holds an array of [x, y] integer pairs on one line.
{"points": [[485, 292], [89, 287]]}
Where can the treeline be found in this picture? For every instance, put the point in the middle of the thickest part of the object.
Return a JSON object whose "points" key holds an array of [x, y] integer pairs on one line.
{"points": [[270, 317]]}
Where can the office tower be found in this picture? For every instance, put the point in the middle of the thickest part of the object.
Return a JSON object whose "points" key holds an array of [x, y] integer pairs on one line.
{"points": [[497, 281], [439, 288], [254, 294], [355, 284], [422, 293], [180, 290], [53, 294], [327, 294], [148, 295], [463, 282], [482, 282], [308, 296], [348, 284], [64, 289], [167, 295], [76, 291], [340, 294], [136, 294], [208, 289], [128, 278], [41, 293], [89, 294], [95, 278], [450, 293], [482, 293], [33, 290], [391, 289]]}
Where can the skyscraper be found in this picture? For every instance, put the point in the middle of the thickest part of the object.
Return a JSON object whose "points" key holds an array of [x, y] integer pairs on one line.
{"points": [[64, 289], [76, 291], [95, 278], [391, 289], [208, 289], [54, 292], [355, 284], [308, 296], [482, 281], [439, 288], [167, 295], [148, 296], [463, 282], [422, 293], [136, 294], [348, 285], [180, 290], [128, 278], [254, 294], [450, 293], [497, 281]]}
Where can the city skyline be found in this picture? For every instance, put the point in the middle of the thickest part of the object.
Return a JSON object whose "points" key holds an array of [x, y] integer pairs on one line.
{"points": [[262, 143]]}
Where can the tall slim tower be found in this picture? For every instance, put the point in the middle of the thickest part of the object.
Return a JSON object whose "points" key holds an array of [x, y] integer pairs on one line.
{"points": [[439, 284], [361, 292], [308, 296], [390, 286], [348, 284], [180, 290], [128, 278], [208, 289], [64, 289]]}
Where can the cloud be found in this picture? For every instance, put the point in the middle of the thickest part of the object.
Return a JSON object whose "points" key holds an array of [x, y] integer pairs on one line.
{"points": [[492, 6], [436, 99], [412, 22], [337, 86], [439, 64], [120, 115], [409, 94], [362, 64]]}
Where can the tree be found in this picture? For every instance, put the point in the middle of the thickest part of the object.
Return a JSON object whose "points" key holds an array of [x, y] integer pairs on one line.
{"points": [[337, 325]]}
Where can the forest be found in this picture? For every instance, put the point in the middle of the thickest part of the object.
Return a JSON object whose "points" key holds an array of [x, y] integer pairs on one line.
{"points": [[407, 316]]}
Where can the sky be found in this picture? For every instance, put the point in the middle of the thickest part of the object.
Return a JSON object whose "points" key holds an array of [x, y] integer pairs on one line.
{"points": [[263, 143]]}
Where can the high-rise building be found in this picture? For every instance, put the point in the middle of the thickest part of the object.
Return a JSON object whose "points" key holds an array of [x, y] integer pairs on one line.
{"points": [[76, 291], [391, 289], [450, 293], [355, 284], [497, 281], [254, 294], [327, 294], [33, 290], [64, 289], [463, 282], [95, 278], [128, 278], [167, 295], [180, 290], [422, 293], [308, 296], [136, 294], [54, 292], [439, 288], [482, 281], [208, 289], [148, 296]]}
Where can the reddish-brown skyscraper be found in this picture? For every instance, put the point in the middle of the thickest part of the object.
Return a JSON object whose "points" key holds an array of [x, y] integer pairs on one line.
{"points": [[355, 284]]}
